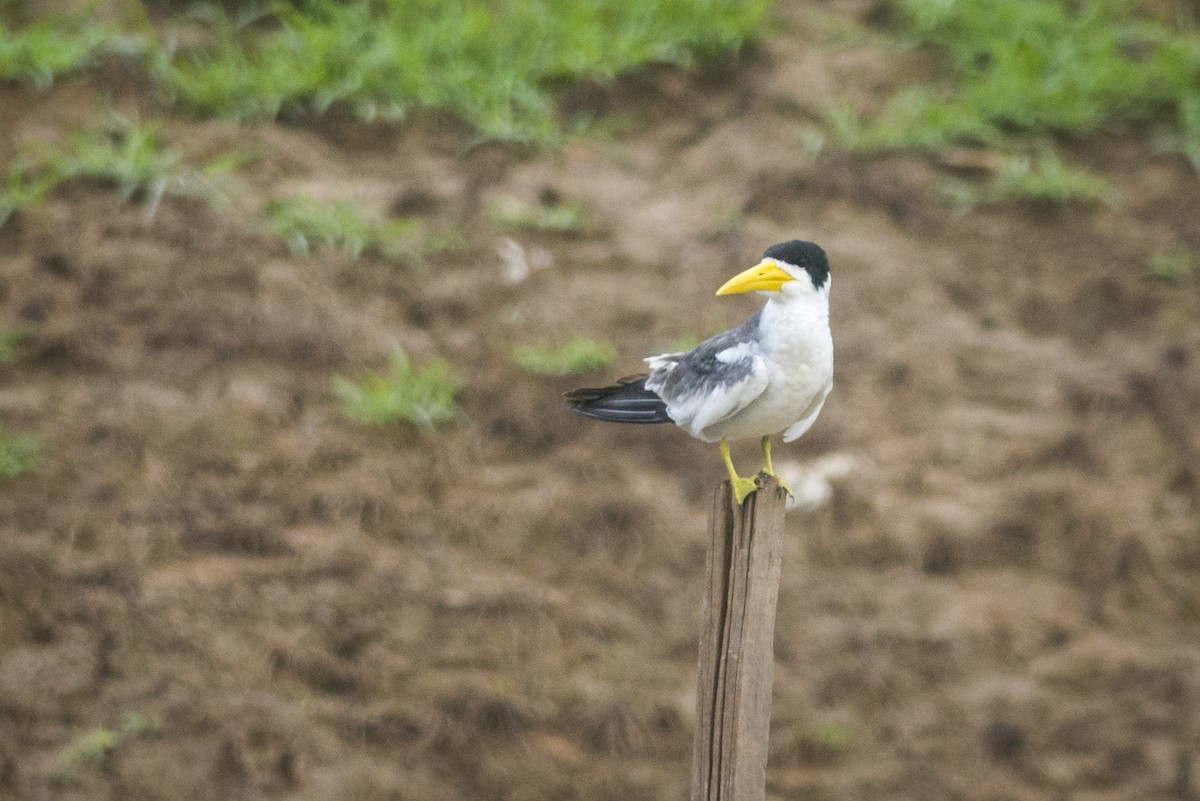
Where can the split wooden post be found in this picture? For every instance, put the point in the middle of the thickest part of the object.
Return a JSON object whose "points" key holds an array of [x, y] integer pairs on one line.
{"points": [[733, 697]]}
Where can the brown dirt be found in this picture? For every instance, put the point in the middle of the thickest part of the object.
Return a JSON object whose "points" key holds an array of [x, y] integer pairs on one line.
{"points": [[1000, 601]]}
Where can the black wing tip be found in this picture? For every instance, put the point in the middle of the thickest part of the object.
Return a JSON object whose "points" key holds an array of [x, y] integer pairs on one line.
{"points": [[586, 394], [627, 401]]}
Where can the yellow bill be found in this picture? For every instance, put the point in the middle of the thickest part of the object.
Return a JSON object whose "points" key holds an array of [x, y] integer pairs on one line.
{"points": [[766, 275]]}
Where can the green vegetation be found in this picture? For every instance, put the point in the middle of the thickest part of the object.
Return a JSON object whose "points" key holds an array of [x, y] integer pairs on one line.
{"points": [[1173, 265], [835, 735], [492, 63], [1024, 72], [96, 745], [337, 224], [1039, 68], [130, 156], [1045, 177], [25, 187], [142, 727], [41, 52], [423, 397], [553, 216], [90, 747], [10, 343], [822, 740], [306, 224], [19, 454], [1048, 178], [489, 63], [577, 356]]}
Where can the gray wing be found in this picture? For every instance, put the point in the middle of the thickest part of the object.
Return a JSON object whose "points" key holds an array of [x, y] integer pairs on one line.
{"points": [[712, 382]]}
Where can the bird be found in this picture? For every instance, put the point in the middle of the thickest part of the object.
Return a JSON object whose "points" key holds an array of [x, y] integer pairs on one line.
{"points": [[769, 375]]}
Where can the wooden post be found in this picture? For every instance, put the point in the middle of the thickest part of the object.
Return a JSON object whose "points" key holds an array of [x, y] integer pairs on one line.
{"points": [[733, 697]]}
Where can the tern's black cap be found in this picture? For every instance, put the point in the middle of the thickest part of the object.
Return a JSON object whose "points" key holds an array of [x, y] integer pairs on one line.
{"points": [[808, 256]]}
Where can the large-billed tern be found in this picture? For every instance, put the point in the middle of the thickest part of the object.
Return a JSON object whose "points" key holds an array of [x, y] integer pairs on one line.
{"points": [[771, 374]]}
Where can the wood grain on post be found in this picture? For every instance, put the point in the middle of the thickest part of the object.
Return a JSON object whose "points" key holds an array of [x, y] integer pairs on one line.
{"points": [[733, 699]]}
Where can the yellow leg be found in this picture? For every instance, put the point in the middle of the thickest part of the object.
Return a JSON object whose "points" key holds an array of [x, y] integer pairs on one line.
{"points": [[741, 486], [769, 469]]}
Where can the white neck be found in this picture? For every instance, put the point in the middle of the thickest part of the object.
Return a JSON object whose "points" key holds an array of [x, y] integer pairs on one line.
{"points": [[795, 316]]}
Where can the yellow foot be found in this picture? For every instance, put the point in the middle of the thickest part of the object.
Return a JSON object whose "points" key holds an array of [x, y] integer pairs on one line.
{"points": [[742, 487], [769, 469]]}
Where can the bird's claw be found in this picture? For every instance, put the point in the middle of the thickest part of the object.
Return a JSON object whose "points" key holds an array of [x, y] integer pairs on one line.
{"points": [[782, 484], [742, 487]]}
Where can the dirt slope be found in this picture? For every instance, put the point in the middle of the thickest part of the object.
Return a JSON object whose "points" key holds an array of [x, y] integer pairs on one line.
{"points": [[260, 599]]}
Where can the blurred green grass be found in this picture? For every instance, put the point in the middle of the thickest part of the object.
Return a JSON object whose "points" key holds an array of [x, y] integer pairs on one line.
{"points": [[38, 53], [550, 216], [1041, 176], [493, 64], [1044, 67], [578, 355], [131, 156], [489, 63], [19, 454], [310, 224], [424, 396], [306, 222], [1018, 74]]}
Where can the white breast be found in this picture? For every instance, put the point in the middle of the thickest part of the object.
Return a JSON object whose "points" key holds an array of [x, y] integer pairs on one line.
{"points": [[798, 350]]}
